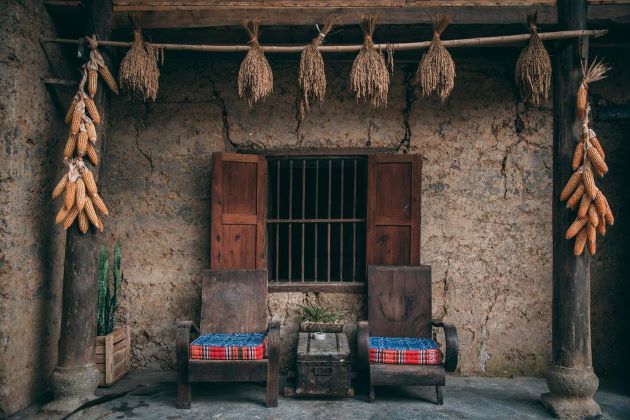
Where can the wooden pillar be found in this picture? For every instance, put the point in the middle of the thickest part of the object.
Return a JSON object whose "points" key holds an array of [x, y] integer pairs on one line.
{"points": [[75, 378], [570, 378]]}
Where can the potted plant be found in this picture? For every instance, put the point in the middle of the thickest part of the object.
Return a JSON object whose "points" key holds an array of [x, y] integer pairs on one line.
{"points": [[318, 319], [113, 344]]}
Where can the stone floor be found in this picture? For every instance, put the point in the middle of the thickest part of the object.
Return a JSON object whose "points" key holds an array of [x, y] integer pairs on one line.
{"points": [[152, 396]]}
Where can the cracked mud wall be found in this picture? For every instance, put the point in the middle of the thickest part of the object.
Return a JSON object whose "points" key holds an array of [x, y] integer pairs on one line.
{"points": [[31, 247]]}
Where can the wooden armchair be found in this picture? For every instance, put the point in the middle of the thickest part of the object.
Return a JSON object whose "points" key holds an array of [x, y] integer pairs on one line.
{"points": [[233, 301], [399, 305]]}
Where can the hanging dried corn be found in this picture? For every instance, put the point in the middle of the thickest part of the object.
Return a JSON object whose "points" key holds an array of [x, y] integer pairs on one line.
{"points": [[369, 77], [255, 78], [533, 67], [436, 71], [594, 212]]}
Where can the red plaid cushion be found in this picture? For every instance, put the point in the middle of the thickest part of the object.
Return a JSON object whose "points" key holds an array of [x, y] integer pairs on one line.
{"points": [[404, 351], [238, 346]]}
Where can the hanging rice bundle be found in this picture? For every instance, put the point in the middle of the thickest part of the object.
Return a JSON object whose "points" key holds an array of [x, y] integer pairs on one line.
{"points": [[369, 76], [533, 67], [255, 79], [436, 72], [596, 71], [312, 77], [139, 72]]}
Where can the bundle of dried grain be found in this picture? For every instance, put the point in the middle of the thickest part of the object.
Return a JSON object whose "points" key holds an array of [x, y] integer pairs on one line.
{"points": [[436, 72], [369, 77], [312, 77], [533, 67], [139, 72], [255, 79], [596, 71]]}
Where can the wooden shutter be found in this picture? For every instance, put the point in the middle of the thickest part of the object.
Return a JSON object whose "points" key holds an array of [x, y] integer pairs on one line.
{"points": [[393, 213], [238, 211]]}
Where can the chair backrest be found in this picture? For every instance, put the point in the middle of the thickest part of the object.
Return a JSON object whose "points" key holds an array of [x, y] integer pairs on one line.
{"points": [[399, 301], [234, 301]]}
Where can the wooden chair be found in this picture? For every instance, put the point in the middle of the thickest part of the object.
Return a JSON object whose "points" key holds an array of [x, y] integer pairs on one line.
{"points": [[233, 301], [399, 305]]}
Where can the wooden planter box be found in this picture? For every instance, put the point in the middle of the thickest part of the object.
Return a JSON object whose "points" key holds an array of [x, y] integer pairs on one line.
{"points": [[327, 327], [113, 355]]}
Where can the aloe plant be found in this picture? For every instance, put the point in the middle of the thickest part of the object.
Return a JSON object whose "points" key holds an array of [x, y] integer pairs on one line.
{"points": [[108, 297], [319, 314]]}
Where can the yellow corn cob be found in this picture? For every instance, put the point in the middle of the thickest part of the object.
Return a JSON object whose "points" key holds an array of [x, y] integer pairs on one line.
{"points": [[108, 78], [70, 112], [591, 233], [609, 217], [92, 82], [597, 145], [578, 156], [61, 215], [99, 204], [72, 214], [600, 203], [592, 247], [577, 195], [80, 194], [593, 218], [584, 205], [83, 222], [61, 185], [571, 185], [601, 228], [88, 178], [582, 94], [68, 198], [82, 143], [92, 110], [575, 227], [91, 154], [91, 213], [75, 125], [596, 160], [580, 241], [71, 144], [589, 183], [91, 131]]}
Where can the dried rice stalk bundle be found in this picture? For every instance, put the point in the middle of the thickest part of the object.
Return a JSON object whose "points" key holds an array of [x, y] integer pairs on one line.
{"points": [[139, 71], [592, 73], [533, 67], [312, 77], [369, 77], [436, 72], [255, 78]]}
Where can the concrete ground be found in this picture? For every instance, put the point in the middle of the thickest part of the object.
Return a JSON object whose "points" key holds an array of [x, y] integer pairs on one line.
{"points": [[152, 396]]}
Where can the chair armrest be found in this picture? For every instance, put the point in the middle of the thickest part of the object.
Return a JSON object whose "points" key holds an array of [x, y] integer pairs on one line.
{"points": [[452, 345], [182, 339], [363, 335], [273, 340]]}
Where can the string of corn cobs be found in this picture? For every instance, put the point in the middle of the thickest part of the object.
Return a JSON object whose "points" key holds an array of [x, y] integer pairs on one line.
{"points": [[81, 200]]}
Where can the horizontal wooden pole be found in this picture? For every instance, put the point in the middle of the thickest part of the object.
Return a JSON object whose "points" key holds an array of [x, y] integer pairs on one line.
{"points": [[451, 43]]}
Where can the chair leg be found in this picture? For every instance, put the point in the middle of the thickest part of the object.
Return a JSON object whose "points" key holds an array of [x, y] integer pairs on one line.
{"points": [[183, 393], [439, 392], [272, 394], [372, 397]]}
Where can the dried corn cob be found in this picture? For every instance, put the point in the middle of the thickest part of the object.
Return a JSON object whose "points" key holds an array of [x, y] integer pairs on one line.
{"points": [[61, 185], [80, 194], [572, 184], [79, 110], [91, 154], [601, 228], [90, 106], [593, 218], [71, 144], [600, 203], [82, 143], [68, 198], [92, 80], [581, 102], [108, 78], [83, 222], [589, 182], [609, 217], [580, 241], [88, 178], [91, 130], [597, 145], [575, 227], [72, 214], [577, 195], [592, 247], [578, 156], [99, 204], [70, 112], [591, 233], [584, 205], [61, 215], [596, 160], [91, 213]]}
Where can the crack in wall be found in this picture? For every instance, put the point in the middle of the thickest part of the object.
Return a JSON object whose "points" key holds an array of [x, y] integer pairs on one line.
{"points": [[410, 98], [368, 143], [147, 156], [298, 119], [483, 344], [230, 146]]}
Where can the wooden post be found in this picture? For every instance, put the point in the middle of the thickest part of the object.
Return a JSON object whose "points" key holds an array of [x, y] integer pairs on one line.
{"points": [[75, 378], [570, 378]]}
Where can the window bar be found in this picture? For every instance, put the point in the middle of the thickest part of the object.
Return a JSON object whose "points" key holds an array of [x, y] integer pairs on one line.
{"points": [[354, 224], [303, 213], [341, 227], [316, 226], [290, 213], [278, 226], [329, 216]]}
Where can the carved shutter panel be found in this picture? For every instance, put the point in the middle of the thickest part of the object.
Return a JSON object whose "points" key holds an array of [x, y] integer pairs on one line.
{"points": [[393, 214], [238, 211]]}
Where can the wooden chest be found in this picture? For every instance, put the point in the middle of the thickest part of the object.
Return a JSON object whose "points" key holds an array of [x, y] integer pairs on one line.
{"points": [[323, 366]]}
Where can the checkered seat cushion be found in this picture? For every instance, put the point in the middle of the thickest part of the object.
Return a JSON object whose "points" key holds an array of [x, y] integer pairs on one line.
{"points": [[404, 351], [238, 346]]}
